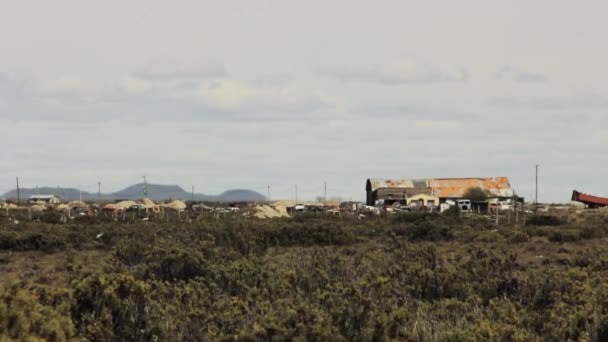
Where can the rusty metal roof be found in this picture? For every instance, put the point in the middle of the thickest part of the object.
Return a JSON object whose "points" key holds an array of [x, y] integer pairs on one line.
{"points": [[374, 184], [447, 187]]}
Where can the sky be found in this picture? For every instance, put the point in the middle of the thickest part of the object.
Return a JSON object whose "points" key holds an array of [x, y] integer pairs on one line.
{"points": [[250, 94]]}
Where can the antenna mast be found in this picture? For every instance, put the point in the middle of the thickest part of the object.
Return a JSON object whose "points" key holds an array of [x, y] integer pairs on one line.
{"points": [[145, 189]]}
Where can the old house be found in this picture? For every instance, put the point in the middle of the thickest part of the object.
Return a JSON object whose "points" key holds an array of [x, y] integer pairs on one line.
{"points": [[433, 191]]}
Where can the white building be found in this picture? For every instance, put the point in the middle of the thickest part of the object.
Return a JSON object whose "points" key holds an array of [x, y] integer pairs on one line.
{"points": [[44, 199]]}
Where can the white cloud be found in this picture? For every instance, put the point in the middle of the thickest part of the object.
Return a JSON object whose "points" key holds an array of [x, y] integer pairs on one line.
{"points": [[512, 74], [227, 95], [171, 73], [406, 72]]}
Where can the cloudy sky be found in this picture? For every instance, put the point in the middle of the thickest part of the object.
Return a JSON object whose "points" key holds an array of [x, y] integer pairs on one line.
{"points": [[245, 94]]}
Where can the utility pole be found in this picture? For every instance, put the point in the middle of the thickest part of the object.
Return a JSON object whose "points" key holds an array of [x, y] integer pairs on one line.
{"points": [[99, 190], [536, 188], [268, 196], [296, 193], [324, 191], [18, 193], [145, 189], [193, 193]]}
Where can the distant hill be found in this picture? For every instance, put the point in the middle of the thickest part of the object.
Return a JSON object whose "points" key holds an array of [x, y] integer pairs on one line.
{"points": [[155, 191]]}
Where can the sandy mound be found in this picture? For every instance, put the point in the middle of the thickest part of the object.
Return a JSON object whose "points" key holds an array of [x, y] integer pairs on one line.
{"points": [[38, 207], [266, 211], [176, 205], [124, 205], [148, 203], [77, 204], [62, 207]]}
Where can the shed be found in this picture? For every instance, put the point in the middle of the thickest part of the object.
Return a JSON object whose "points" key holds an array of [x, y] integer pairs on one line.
{"points": [[44, 199], [400, 190]]}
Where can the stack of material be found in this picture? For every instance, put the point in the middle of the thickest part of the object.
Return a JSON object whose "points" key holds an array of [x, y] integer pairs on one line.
{"points": [[176, 205], [148, 203], [109, 207], [77, 204], [38, 207], [124, 205], [10, 206], [266, 211], [63, 207], [284, 203]]}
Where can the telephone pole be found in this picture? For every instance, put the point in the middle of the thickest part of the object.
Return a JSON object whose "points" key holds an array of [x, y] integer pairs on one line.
{"points": [[268, 196], [193, 193], [18, 193], [296, 193], [324, 191], [145, 189], [536, 187], [99, 190]]}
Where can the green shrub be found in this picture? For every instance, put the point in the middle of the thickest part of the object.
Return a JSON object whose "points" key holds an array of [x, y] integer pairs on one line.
{"points": [[429, 231], [544, 220], [564, 235], [519, 237]]}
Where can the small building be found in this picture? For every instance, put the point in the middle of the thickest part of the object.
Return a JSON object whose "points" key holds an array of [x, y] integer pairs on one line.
{"points": [[44, 199], [434, 191]]}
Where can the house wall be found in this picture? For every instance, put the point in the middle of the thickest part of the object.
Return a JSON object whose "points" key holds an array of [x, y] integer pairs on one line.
{"points": [[395, 194], [426, 198]]}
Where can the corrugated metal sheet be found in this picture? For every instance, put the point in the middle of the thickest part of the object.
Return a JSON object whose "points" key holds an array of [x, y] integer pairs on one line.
{"points": [[589, 199], [447, 187], [456, 187], [374, 184]]}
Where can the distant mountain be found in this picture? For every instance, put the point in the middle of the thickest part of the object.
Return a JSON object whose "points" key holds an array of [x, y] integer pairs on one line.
{"points": [[133, 192], [155, 191], [240, 195]]}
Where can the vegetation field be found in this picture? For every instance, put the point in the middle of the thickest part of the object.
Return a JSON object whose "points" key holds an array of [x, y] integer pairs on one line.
{"points": [[410, 277]]}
